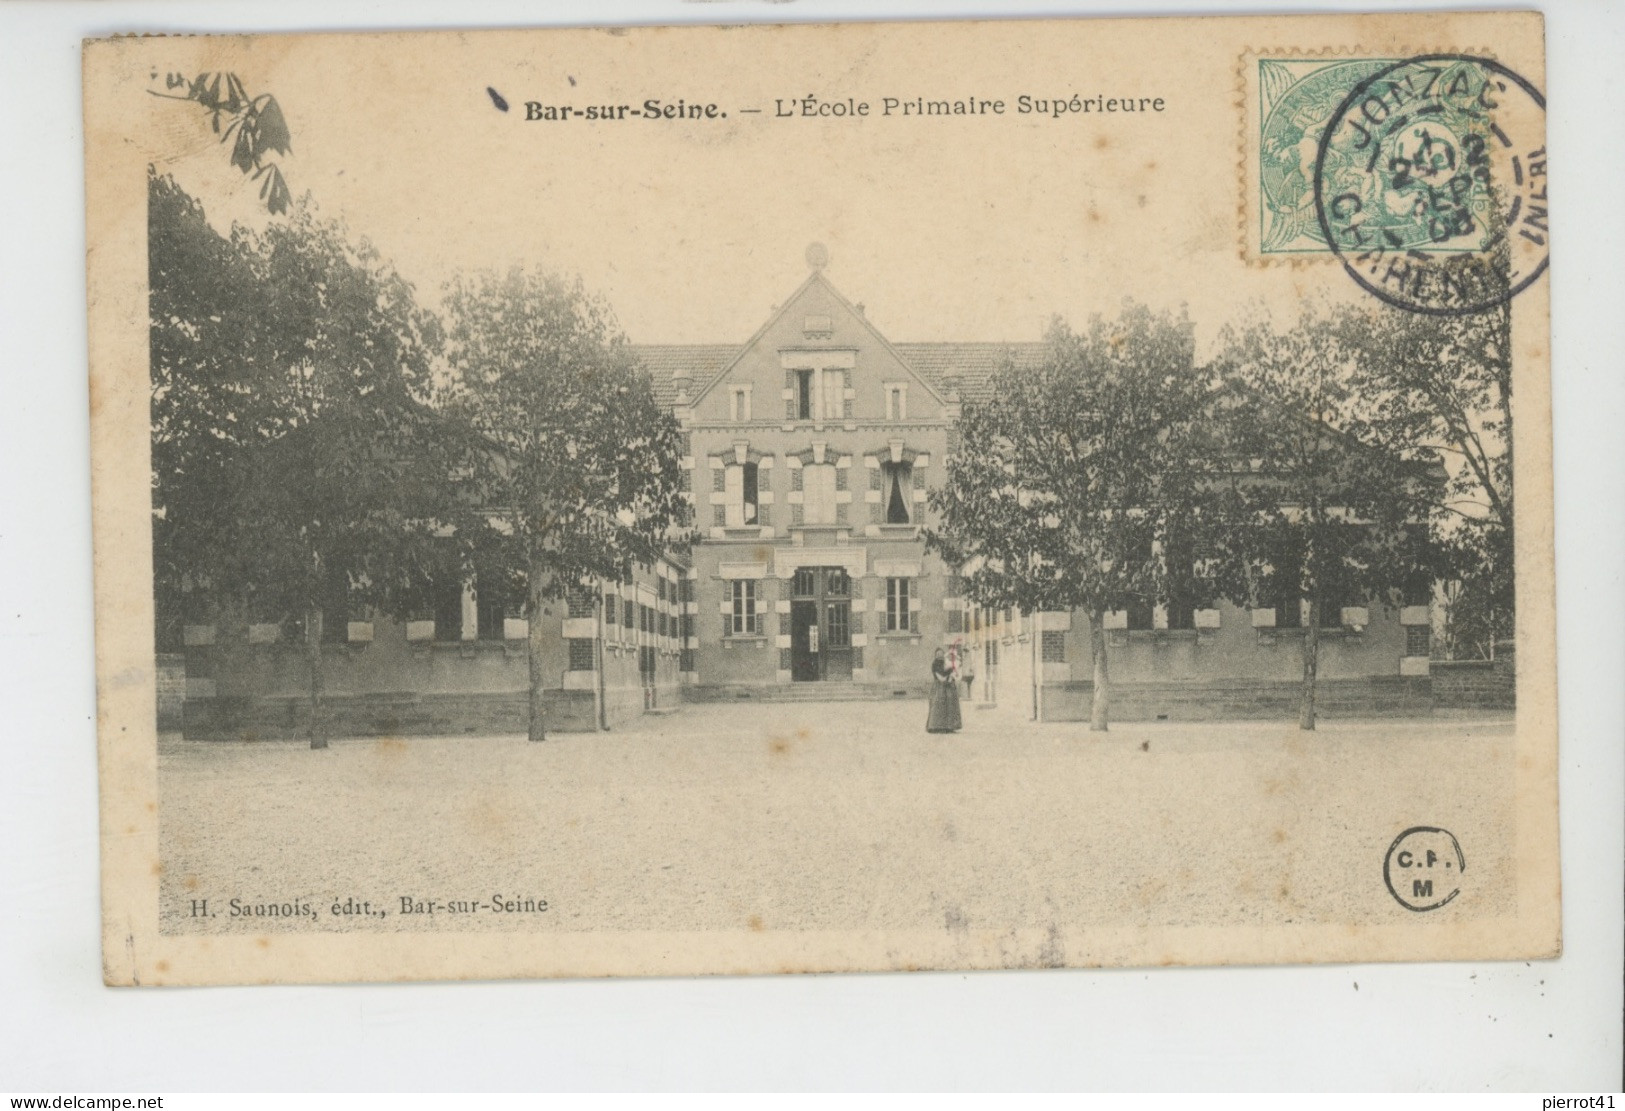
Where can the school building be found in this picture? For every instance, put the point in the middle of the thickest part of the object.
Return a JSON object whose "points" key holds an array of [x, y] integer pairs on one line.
{"points": [[809, 452]]}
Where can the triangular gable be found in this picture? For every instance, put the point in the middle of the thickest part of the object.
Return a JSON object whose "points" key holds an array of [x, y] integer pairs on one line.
{"points": [[816, 278]]}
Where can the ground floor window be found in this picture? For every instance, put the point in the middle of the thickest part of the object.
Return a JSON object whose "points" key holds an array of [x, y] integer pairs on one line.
{"points": [[1331, 609], [336, 608], [581, 654], [1179, 560], [899, 614], [447, 594], [743, 618], [1418, 640], [498, 598], [1141, 615]]}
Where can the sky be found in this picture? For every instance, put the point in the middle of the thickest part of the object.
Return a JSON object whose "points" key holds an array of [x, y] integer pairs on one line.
{"points": [[969, 228]]}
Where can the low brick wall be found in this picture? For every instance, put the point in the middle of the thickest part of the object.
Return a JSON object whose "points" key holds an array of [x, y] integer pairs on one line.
{"points": [[1475, 684], [806, 692], [375, 715], [1242, 700]]}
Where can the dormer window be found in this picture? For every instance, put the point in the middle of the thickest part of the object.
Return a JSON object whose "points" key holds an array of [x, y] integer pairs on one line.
{"points": [[820, 394], [834, 394], [804, 395]]}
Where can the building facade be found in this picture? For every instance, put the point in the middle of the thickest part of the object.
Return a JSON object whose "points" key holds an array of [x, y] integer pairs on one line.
{"points": [[810, 453], [612, 653]]}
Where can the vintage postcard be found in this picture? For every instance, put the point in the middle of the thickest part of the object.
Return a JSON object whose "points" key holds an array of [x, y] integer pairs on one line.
{"points": [[667, 501]]}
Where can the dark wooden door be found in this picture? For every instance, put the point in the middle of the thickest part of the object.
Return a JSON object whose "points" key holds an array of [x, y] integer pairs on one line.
{"points": [[821, 625], [804, 642]]}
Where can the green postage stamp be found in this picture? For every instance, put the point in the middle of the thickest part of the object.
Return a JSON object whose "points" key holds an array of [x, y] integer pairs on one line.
{"points": [[1425, 176], [1293, 99]]}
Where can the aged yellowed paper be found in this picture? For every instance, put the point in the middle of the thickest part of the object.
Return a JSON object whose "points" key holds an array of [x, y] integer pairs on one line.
{"points": [[863, 497]]}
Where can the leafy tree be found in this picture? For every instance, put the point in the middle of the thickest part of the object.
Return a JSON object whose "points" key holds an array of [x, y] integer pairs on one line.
{"points": [[297, 466], [1445, 383], [206, 316], [1314, 506], [1070, 473], [253, 125], [583, 474]]}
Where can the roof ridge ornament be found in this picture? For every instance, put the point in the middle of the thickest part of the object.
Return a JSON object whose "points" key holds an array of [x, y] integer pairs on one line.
{"points": [[817, 256]]}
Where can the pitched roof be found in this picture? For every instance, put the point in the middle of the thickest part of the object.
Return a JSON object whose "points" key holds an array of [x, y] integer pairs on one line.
{"points": [[973, 363], [698, 362]]}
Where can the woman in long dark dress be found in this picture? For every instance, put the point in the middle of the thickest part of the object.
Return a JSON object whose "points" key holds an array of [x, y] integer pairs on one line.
{"points": [[943, 716]]}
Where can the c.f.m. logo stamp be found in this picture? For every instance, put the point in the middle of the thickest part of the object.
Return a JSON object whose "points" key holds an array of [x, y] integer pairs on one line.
{"points": [[1423, 868]]}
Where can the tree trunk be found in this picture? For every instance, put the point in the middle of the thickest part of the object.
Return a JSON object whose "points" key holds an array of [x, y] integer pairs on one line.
{"points": [[1311, 665], [313, 657], [533, 611], [1100, 707]]}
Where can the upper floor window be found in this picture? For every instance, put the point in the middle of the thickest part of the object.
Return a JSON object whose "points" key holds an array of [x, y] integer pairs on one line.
{"points": [[739, 403], [740, 485], [818, 484], [896, 401], [834, 394], [580, 602], [804, 395], [896, 492]]}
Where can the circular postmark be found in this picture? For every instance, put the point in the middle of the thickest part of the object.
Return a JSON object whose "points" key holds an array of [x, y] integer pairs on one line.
{"points": [[1430, 184], [1423, 868]]}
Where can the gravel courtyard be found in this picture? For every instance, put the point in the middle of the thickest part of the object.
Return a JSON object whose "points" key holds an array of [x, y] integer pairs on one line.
{"points": [[839, 816]]}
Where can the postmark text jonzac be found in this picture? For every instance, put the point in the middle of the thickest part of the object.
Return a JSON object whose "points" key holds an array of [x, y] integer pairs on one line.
{"points": [[655, 110], [404, 905]]}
